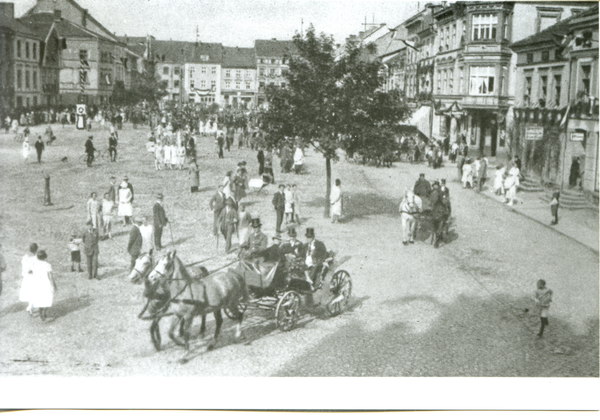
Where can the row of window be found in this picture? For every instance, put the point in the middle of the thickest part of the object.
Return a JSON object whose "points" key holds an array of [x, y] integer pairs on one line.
{"points": [[28, 101], [262, 71], [546, 89], [213, 83], [271, 61], [31, 79], [238, 85], [203, 70], [29, 47], [238, 73]]}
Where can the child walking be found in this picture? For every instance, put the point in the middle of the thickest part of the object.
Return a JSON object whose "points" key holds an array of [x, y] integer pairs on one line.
{"points": [[74, 246], [542, 298], [554, 208]]}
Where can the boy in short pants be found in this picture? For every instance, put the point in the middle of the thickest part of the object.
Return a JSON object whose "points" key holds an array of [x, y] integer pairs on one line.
{"points": [[74, 244]]}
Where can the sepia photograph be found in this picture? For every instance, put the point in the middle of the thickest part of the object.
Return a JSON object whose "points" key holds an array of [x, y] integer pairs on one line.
{"points": [[299, 204]]}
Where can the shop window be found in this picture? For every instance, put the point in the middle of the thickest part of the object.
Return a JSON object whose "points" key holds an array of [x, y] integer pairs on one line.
{"points": [[482, 81], [484, 26]]}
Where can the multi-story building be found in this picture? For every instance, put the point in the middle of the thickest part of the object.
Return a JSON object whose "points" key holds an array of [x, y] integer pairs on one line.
{"points": [[556, 100], [238, 77], [94, 63], [475, 68], [20, 69], [271, 61]]}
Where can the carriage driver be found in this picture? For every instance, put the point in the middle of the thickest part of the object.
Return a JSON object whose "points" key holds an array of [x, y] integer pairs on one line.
{"points": [[255, 242], [315, 254]]}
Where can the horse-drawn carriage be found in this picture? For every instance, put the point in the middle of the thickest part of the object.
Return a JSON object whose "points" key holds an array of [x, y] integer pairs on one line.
{"points": [[279, 284], [173, 290]]}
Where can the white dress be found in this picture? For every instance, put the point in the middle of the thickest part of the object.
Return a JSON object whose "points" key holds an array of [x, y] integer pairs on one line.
{"points": [[289, 201], [499, 179], [27, 284], [42, 292], [467, 175], [167, 154], [298, 157], [180, 155], [125, 206], [147, 243], [227, 187], [26, 149], [336, 201]]}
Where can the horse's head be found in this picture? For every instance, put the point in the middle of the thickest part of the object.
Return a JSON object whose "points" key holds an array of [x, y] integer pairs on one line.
{"points": [[142, 267], [164, 268]]}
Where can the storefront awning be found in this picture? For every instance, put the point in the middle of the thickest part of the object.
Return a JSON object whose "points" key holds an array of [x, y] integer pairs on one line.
{"points": [[421, 119]]}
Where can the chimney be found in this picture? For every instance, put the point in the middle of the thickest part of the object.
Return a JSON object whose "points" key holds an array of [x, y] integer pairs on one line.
{"points": [[57, 15], [7, 10]]}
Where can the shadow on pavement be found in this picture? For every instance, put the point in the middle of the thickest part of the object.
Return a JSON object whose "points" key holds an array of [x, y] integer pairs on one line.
{"points": [[470, 336], [65, 307], [361, 205]]}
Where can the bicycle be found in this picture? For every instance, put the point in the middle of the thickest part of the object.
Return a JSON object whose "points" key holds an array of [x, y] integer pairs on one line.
{"points": [[99, 156]]}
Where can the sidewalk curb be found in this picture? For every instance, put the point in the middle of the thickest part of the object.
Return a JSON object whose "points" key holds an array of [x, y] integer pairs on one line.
{"points": [[596, 252]]}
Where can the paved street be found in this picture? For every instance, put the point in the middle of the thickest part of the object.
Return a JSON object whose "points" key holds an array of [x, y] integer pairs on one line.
{"points": [[416, 311]]}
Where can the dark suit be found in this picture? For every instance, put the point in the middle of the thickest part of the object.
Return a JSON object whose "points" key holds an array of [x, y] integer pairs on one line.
{"points": [[318, 253], [134, 247], [227, 222], [160, 221], [91, 251], [113, 193], [89, 150], [217, 203], [279, 204], [422, 188], [255, 242]]}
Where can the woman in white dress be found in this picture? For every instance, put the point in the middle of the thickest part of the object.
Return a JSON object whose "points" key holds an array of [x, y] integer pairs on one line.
{"points": [[296, 197], [335, 199], [467, 174], [167, 153], [289, 204], [499, 180], [27, 273], [177, 158], [125, 207], [158, 154], [511, 183], [26, 149], [43, 285], [227, 188]]}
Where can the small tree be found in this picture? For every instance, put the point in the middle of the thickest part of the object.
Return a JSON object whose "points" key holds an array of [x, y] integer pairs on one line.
{"points": [[148, 86], [333, 104]]}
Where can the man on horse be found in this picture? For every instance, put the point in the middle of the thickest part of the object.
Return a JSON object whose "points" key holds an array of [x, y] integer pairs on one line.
{"points": [[409, 208]]}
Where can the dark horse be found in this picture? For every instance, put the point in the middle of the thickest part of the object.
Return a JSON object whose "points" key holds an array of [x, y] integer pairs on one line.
{"points": [[438, 217], [187, 297]]}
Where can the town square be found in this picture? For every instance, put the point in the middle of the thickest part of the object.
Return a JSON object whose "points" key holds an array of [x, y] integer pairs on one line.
{"points": [[417, 199]]}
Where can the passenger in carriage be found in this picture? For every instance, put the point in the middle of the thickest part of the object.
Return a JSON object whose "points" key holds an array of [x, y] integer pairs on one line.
{"points": [[292, 247], [315, 254], [255, 242]]}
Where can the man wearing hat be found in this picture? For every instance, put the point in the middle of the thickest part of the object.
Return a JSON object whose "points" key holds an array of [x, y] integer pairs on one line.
{"points": [[422, 187], [436, 193], [112, 147], [160, 221], [89, 150], [91, 250], [227, 222], [444, 189], [126, 179], [217, 204], [134, 246], [293, 246], [279, 205], [255, 242], [315, 254]]}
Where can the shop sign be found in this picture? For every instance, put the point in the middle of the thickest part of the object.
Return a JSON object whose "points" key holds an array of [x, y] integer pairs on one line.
{"points": [[577, 136], [534, 133]]}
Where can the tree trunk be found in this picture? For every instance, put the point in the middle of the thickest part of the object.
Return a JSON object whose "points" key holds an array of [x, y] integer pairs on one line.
{"points": [[328, 189]]}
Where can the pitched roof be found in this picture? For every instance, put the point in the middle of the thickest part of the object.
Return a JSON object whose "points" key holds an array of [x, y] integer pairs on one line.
{"points": [[555, 32], [19, 27], [238, 58], [65, 29], [273, 48], [187, 52]]}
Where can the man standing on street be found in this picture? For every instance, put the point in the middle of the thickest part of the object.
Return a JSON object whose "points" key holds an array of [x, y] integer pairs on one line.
{"points": [[279, 205], [160, 221], [113, 190], [126, 179], [409, 207], [260, 156], [39, 148], [227, 223], [422, 187], [89, 150], [134, 246], [217, 203], [112, 147], [91, 250]]}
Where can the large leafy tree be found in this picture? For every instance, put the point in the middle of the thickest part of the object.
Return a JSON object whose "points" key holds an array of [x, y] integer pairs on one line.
{"points": [[148, 86], [332, 103]]}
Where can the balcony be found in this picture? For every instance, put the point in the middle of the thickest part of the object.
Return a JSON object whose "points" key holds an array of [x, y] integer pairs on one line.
{"points": [[485, 102]]}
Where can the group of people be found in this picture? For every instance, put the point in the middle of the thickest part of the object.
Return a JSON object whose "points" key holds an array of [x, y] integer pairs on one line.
{"points": [[38, 285]]}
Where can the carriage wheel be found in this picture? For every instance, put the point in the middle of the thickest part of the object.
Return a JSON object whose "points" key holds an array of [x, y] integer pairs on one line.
{"points": [[287, 311], [155, 334], [341, 288], [241, 308]]}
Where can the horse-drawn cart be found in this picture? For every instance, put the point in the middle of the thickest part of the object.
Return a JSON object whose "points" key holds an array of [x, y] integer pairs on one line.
{"points": [[274, 286]]}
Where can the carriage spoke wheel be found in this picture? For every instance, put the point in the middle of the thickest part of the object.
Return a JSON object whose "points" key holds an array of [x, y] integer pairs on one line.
{"points": [[241, 307], [287, 311], [341, 288]]}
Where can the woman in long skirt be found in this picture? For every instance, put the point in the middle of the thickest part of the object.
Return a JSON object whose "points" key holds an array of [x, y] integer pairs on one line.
{"points": [[180, 156], [125, 207], [335, 200], [27, 284], [26, 149], [296, 197], [174, 159], [158, 155], [43, 285], [167, 153], [499, 180]]}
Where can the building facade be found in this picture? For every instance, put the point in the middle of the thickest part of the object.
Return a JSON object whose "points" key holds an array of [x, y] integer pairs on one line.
{"points": [[271, 62], [238, 77]]}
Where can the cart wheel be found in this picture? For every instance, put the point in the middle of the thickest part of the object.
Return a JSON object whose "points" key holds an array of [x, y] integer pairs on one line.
{"points": [[287, 311], [341, 288], [241, 307]]}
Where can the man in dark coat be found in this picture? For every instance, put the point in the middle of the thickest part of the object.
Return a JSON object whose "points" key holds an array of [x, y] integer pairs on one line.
{"points": [[134, 246], [228, 222], [126, 179], [220, 143], [422, 187], [279, 205], [315, 254], [89, 150], [261, 161], [112, 147], [160, 221], [217, 204], [91, 250], [39, 148], [256, 241], [113, 190]]}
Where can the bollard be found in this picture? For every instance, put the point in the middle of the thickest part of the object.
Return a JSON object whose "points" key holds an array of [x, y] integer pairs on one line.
{"points": [[47, 201]]}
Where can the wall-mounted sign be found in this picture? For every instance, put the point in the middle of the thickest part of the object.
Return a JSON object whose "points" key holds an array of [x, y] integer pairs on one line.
{"points": [[534, 133], [577, 136]]}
